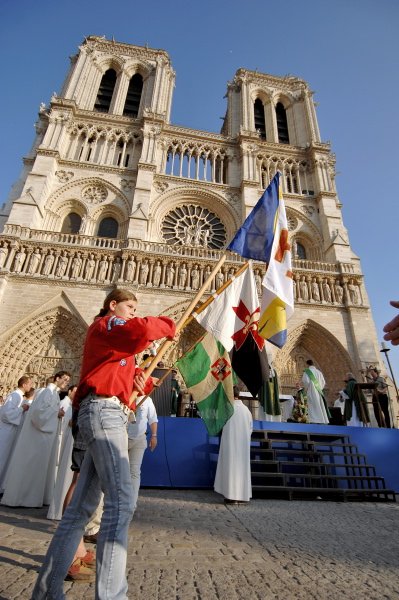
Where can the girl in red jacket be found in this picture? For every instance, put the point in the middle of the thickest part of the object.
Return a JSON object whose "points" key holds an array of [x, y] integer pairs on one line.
{"points": [[108, 377]]}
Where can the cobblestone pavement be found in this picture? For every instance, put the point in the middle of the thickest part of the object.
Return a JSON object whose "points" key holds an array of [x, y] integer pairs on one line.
{"points": [[187, 545]]}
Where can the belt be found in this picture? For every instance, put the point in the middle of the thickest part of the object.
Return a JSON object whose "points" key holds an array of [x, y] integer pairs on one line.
{"points": [[125, 409]]}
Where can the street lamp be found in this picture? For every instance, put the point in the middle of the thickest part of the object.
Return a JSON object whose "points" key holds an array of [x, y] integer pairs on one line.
{"points": [[385, 350]]}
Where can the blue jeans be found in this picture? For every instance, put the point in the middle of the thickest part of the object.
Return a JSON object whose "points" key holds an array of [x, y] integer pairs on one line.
{"points": [[105, 467]]}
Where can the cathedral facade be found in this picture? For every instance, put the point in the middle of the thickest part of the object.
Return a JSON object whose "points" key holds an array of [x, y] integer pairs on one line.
{"points": [[112, 193]]}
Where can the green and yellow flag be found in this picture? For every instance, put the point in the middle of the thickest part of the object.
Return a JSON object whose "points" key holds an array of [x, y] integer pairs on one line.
{"points": [[208, 375]]}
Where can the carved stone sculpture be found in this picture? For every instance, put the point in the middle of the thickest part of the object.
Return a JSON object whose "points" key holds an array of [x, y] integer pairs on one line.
{"points": [[326, 291], [48, 263], [103, 268], [19, 260], [61, 265], [303, 288], [90, 266], [34, 262], [170, 272], [157, 274]]}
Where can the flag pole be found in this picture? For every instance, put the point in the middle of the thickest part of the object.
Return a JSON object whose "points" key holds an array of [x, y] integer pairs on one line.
{"points": [[180, 324], [164, 376]]}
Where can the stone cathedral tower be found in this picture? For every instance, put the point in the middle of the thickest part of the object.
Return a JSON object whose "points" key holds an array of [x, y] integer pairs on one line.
{"points": [[113, 193]]}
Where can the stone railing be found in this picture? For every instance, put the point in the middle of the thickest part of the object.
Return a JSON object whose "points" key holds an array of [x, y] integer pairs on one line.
{"points": [[104, 261]]}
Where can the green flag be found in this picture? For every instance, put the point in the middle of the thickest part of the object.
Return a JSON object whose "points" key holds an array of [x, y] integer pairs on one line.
{"points": [[208, 374]]}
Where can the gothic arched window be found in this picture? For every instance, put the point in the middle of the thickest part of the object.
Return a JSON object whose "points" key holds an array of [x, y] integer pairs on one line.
{"points": [[72, 223], [133, 96], [108, 228], [105, 91], [282, 125], [259, 116], [300, 251]]}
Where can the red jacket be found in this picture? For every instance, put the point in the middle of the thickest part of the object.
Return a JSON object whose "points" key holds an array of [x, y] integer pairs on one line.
{"points": [[108, 366]]}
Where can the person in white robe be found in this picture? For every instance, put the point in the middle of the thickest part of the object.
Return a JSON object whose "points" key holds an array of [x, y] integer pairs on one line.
{"points": [[314, 383], [233, 471], [10, 419], [31, 475], [64, 472]]}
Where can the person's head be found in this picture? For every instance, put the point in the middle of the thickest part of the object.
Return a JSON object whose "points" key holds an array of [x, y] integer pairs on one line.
{"points": [[62, 379], [161, 364], [349, 376], [236, 392], [119, 303], [72, 391], [29, 394], [174, 373], [309, 362], [25, 383]]}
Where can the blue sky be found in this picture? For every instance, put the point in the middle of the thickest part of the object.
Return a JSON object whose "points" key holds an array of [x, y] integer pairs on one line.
{"points": [[348, 51]]}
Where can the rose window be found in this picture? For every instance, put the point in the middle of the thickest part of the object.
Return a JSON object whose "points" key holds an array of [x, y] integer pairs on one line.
{"points": [[193, 225]]}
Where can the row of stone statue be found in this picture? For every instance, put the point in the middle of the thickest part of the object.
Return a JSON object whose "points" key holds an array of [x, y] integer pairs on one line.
{"points": [[159, 273], [330, 291]]}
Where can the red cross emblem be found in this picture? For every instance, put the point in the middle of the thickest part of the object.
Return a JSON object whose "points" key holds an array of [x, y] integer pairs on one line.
{"points": [[221, 369], [250, 321]]}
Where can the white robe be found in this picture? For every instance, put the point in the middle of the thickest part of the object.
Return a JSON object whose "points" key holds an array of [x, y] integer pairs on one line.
{"points": [[10, 417], [233, 472], [316, 409], [64, 473], [31, 474]]}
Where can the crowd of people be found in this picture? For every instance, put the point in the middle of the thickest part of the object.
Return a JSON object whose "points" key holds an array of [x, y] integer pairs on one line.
{"points": [[82, 455]]}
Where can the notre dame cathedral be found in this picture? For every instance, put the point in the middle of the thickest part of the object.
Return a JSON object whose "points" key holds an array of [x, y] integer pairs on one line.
{"points": [[112, 193]]}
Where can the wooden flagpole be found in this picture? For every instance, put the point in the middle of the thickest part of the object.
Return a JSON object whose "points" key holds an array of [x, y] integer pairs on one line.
{"points": [[180, 324], [164, 376]]}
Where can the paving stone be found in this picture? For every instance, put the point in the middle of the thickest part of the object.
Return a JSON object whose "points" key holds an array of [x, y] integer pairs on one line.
{"points": [[187, 545]]}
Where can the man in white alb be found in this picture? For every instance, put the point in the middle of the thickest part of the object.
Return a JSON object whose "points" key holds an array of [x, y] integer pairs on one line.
{"points": [[233, 471], [31, 475], [10, 417], [314, 383]]}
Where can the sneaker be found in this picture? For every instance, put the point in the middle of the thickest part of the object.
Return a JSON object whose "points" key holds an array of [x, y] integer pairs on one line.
{"points": [[78, 571], [91, 539]]}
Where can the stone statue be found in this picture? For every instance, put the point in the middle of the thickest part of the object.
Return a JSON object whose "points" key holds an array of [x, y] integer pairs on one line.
{"points": [[144, 272], [197, 235], [326, 291], [103, 268], [34, 262], [19, 260], [205, 238], [339, 293], [219, 279], [258, 281], [303, 288], [182, 275], [61, 265], [3, 255], [48, 263], [353, 292], [187, 237], [195, 278], [170, 272], [130, 269], [157, 274], [90, 266], [76, 266], [294, 289], [116, 270], [315, 290]]}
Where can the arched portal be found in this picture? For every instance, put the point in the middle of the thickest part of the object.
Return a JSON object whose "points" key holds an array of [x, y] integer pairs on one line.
{"points": [[50, 342], [311, 340]]}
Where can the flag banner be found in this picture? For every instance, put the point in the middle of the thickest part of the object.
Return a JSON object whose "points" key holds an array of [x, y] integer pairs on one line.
{"points": [[234, 313], [208, 375], [277, 303], [255, 237], [251, 365]]}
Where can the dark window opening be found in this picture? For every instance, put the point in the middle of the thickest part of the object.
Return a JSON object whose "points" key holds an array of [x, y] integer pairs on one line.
{"points": [[133, 96], [108, 228], [71, 224], [259, 115], [282, 125], [105, 91], [300, 251]]}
